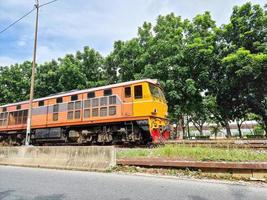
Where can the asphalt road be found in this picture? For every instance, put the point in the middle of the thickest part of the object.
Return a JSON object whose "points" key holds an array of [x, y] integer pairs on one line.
{"points": [[44, 184]]}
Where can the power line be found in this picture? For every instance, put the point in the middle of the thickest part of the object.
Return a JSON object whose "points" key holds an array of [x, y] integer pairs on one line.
{"points": [[25, 15], [9, 26], [47, 3]]}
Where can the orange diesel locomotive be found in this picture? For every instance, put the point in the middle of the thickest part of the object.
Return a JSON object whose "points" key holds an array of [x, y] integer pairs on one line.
{"points": [[134, 111]]}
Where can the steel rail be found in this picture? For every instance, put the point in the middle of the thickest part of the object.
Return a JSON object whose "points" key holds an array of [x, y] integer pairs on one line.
{"points": [[158, 162]]}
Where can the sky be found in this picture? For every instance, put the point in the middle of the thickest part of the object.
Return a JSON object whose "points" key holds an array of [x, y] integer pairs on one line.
{"points": [[66, 26]]}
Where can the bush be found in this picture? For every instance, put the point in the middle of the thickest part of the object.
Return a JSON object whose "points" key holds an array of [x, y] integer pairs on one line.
{"points": [[258, 130], [255, 136], [202, 137]]}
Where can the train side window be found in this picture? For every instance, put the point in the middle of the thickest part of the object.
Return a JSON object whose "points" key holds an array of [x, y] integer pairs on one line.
{"points": [[55, 112], [70, 105], [20, 117], [55, 108], [103, 111], [138, 92], [59, 100], [15, 117], [18, 107], [25, 116], [86, 113], [87, 103], [95, 112], [41, 103], [4, 109], [55, 116], [112, 110], [127, 92], [112, 100], [78, 105], [77, 114], [3, 122], [95, 102], [103, 101], [70, 115], [3, 119], [107, 92], [90, 95]]}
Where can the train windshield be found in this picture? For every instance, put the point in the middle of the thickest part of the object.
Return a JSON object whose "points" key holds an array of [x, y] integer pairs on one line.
{"points": [[156, 92]]}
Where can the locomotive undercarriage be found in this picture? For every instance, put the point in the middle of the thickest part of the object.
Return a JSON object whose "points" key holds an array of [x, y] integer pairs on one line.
{"points": [[133, 132]]}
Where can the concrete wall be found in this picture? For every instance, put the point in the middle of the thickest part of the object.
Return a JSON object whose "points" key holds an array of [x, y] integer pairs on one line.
{"points": [[60, 157]]}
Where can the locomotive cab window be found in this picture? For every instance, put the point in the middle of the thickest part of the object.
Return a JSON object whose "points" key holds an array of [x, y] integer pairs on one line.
{"points": [[138, 92], [127, 92], [107, 92]]}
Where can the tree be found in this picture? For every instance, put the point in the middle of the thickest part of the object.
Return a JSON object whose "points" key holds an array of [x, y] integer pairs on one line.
{"points": [[203, 114], [247, 81], [247, 28], [83, 70], [90, 64], [15, 82], [246, 31], [47, 77]]}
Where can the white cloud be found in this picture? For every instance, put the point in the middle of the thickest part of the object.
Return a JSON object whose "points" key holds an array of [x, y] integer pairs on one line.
{"points": [[46, 53], [67, 25], [21, 43]]}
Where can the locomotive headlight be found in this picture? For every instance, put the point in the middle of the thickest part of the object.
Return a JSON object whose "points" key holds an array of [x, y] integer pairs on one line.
{"points": [[155, 111]]}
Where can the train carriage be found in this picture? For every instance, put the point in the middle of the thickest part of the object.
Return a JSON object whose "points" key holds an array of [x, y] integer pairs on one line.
{"points": [[134, 111]]}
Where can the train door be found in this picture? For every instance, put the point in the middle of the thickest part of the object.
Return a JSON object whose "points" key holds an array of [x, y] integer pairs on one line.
{"points": [[127, 101]]}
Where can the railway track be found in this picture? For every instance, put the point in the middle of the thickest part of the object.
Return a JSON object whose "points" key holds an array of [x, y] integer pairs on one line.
{"points": [[163, 162], [256, 171], [254, 144], [257, 144]]}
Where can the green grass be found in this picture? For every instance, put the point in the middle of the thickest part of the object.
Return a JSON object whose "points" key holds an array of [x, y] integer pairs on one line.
{"points": [[195, 153]]}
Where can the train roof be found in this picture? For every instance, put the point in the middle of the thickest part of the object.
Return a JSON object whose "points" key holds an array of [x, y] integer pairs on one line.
{"points": [[73, 92]]}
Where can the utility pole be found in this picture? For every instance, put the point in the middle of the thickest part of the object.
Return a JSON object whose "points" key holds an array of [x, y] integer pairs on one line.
{"points": [[29, 119]]}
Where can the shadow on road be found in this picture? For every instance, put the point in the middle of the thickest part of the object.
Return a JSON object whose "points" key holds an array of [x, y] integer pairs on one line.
{"points": [[50, 197], [5, 194]]}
